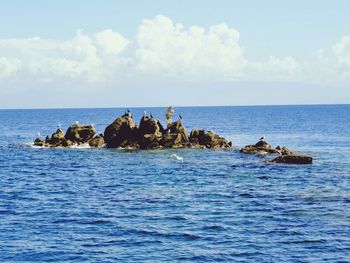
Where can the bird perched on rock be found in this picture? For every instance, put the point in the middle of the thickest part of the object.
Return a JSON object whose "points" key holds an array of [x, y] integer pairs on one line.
{"points": [[151, 115], [58, 125], [180, 117], [76, 122], [144, 113], [262, 139]]}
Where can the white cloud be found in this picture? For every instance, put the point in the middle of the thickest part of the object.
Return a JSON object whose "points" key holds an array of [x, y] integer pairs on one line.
{"points": [[341, 51], [162, 48], [167, 48], [110, 42], [8, 67]]}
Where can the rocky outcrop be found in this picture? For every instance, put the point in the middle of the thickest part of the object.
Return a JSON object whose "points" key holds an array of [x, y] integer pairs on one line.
{"points": [[38, 142], [80, 134], [292, 159], [149, 134], [208, 139], [97, 142], [285, 155], [123, 132], [261, 147], [175, 136], [76, 134]]}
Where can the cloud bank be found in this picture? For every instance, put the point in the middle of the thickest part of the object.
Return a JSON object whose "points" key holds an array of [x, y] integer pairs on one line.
{"points": [[162, 49]]}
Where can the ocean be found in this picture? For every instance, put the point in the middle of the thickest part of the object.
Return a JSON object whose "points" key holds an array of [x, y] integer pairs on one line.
{"points": [[113, 205]]}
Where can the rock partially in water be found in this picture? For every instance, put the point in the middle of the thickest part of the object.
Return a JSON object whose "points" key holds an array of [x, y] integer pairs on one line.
{"points": [[150, 133], [292, 159], [208, 139], [55, 140], [175, 136], [97, 142], [123, 132], [178, 128], [175, 140], [261, 147], [78, 133], [284, 150], [285, 154], [39, 142]]}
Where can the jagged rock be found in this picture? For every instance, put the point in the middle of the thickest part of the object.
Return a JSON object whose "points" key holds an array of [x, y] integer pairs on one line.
{"points": [[177, 127], [150, 125], [292, 159], [175, 140], [208, 139], [284, 150], [123, 132], [97, 141], [39, 142], [57, 137], [261, 147], [78, 133], [150, 133], [66, 143]]}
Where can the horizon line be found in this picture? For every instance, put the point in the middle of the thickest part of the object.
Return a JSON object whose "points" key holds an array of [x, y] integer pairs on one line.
{"points": [[180, 106]]}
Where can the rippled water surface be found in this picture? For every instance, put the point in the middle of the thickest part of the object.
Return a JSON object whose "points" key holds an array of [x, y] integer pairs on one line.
{"points": [[101, 205]]}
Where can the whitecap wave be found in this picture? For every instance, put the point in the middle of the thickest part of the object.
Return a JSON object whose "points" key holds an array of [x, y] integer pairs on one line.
{"points": [[74, 146]]}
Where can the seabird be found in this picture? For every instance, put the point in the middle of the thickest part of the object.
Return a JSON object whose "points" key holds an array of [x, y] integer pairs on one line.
{"points": [[92, 125], [179, 158], [59, 125], [262, 138], [168, 131], [151, 115], [76, 122], [38, 134], [180, 116], [144, 113]]}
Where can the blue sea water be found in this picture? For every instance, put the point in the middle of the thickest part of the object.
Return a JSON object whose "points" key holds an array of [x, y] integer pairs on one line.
{"points": [[108, 205]]}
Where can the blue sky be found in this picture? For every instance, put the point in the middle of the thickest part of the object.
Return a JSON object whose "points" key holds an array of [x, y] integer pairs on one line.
{"points": [[96, 50]]}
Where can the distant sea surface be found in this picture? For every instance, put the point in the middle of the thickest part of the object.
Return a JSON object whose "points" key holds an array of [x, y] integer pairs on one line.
{"points": [[109, 205]]}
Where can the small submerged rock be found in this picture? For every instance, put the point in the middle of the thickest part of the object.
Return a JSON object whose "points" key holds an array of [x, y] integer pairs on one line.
{"points": [[292, 159], [285, 155]]}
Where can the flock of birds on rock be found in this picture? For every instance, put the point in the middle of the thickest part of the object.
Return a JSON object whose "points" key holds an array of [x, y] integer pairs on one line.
{"points": [[128, 112]]}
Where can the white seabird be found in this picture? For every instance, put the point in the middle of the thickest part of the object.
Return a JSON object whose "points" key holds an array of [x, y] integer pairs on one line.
{"points": [[179, 158], [262, 139]]}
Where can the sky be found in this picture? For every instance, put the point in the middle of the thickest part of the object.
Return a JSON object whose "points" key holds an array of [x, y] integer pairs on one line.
{"points": [[58, 54]]}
